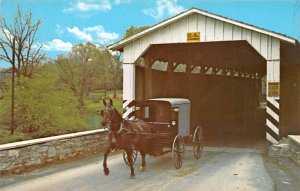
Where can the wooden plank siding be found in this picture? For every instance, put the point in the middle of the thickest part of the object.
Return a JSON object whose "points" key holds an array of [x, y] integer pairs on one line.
{"points": [[210, 30], [211, 95], [289, 91]]}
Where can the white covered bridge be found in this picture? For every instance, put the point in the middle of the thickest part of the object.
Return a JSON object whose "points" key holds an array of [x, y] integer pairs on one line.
{"points": [[218, 64]]}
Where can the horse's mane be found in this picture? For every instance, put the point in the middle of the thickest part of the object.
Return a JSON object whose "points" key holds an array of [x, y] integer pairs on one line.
{"points": [[133, 125], [119, 115]]}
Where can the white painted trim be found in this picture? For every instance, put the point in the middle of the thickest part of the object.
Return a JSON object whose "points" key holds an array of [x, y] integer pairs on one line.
{"points": [[126, 103], [244, 25], [121, 43], [273, 114], [273, 101], [129, 110], [271, 139], [149, 30], [48, 139], [272, 127], [295, 138]]}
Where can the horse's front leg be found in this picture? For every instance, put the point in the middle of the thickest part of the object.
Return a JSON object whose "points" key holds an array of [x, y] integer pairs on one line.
{"points": [[110, 148], [130, 161], [105, 169], [143, 166]]}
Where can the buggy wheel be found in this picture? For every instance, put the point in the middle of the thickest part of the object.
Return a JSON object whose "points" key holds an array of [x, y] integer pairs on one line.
{"points": [[178, 151], [134, 156], [198, 142]]}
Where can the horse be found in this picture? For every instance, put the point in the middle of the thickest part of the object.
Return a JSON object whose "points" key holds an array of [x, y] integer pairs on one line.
{"points": [[127, 135]]}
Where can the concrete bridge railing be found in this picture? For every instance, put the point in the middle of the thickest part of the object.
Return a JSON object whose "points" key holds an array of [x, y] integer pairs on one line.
{"points": [[20, 156]]}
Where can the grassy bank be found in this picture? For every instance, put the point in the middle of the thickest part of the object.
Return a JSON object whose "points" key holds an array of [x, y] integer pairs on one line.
{"points": [[93, 103]]}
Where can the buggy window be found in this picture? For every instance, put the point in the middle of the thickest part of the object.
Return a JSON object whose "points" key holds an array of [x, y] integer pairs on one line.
{"points": [[146, 112]]}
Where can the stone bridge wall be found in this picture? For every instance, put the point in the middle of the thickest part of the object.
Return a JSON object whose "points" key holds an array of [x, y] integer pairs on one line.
{"points": [[295, 148], [287, 147], [20, 156]]}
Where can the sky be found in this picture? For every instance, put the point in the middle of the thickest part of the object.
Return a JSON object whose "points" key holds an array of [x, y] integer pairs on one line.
{"points": [[69, 22]]}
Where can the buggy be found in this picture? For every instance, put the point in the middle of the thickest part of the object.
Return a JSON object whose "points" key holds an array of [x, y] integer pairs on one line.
{"points": [[169, 119]]}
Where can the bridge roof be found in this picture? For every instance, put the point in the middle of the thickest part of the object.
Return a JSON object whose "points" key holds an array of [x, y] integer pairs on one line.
{"points": [[120, 44]]}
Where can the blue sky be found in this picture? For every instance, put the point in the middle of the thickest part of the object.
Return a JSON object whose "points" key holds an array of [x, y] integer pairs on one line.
{"points": [[68, 22]]}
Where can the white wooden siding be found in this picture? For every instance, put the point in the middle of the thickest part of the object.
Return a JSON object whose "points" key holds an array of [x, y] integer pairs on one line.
{"points": [[129, 82], [228, 31], [210, 30], [192, 23], [201, 27], [255, 41], [237, 33], [264, 45], [219, 31]]}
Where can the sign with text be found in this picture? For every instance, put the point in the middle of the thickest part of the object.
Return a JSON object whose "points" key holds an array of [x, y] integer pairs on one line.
{"points": [[273, 89], [193, 37]]}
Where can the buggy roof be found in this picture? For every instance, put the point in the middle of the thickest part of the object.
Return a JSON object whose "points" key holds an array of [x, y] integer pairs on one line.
{"points": [[172, 101]]}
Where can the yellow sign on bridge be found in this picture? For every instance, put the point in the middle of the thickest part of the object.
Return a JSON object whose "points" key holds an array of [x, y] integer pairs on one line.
{"points": [[193, 37], [274, 89]]}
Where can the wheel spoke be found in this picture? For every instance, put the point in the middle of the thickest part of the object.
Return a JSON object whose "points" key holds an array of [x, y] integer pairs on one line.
{"points": [[133, 156], [198, 143], [178, 151]]}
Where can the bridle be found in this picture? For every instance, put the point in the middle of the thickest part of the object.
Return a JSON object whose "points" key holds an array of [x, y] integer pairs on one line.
{"points": [[112, 118]]}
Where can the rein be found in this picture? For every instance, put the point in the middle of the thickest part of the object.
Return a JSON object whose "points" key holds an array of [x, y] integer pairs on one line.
{"points": [[130, 131], [120, 127], [125, 129]]}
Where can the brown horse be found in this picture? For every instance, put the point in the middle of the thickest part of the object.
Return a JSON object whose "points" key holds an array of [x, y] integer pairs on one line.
{"points": [[126, 135]]}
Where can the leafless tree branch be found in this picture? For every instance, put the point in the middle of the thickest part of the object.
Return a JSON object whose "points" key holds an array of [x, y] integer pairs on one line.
{"points": [[24, 31]]}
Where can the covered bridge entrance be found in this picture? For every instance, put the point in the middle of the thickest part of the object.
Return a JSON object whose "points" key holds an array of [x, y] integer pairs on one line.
{"points": [[222, 80], [220, 71]]}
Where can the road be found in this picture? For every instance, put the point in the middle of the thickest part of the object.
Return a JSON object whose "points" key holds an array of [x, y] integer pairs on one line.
{"points": [[218, 169]]}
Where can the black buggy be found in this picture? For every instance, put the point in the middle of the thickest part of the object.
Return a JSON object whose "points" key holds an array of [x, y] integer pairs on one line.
{"points": [[170, 121]]}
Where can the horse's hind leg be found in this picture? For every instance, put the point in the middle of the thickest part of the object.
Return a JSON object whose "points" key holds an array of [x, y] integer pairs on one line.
{"points": [[129, 152], [143, 166]]}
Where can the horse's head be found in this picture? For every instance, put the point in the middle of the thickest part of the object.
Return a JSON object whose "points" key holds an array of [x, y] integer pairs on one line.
{"points": [[109, 115]]}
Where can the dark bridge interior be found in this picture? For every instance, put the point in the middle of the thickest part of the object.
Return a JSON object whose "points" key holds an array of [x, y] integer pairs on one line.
{"points": [[222, 80]]}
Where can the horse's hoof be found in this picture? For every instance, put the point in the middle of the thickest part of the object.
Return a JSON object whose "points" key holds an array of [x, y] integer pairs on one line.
{"points": [[131, 176], [142, 169], [106, 171]]}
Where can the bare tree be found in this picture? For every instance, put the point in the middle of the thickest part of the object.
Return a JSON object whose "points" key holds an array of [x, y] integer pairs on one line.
{"points": [[17, 42], [23, 30]]}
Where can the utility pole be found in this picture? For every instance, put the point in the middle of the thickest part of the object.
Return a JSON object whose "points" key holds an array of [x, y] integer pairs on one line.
{"points": [[13, 89]]}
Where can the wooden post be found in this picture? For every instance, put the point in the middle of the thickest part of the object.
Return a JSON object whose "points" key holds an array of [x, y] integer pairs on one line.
{"points": [[224, 72], [148, 79], [214, 71], [188, 71], [13, 89], [170, 71], [203, 70]]}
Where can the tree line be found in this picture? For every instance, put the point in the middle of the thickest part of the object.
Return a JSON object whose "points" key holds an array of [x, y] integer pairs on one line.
{"points": [[41, 96]]}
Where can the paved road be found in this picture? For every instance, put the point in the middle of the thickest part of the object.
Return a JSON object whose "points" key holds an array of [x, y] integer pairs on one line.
{"points": [[218, 169]]}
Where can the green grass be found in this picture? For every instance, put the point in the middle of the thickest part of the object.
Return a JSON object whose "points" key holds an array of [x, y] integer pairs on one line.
{"points": [[98, 95], [93, 103], [6, 137], [92, 117]]}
